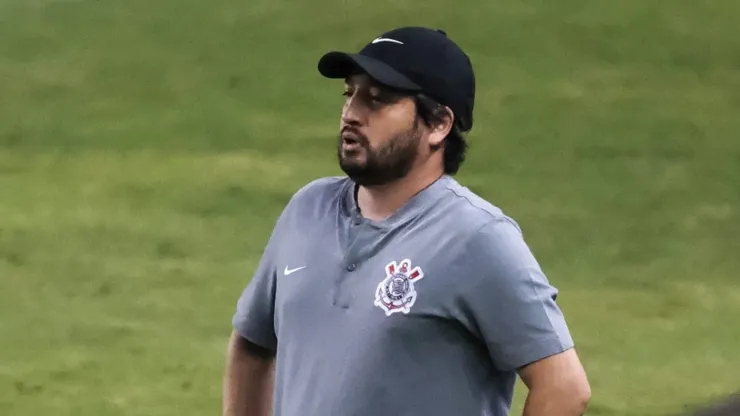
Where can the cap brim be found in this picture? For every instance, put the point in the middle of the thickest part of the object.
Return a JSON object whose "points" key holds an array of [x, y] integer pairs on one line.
{"points": [[338, 65]]}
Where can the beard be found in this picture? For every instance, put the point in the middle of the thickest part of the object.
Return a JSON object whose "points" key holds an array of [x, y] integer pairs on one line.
{"points": [[383, 165]]}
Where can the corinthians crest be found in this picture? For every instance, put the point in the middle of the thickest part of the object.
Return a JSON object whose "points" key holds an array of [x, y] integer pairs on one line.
{"points": [[396, 292]]}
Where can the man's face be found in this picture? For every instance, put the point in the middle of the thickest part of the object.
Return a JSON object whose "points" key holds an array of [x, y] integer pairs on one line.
{"points": [[379, 139]]}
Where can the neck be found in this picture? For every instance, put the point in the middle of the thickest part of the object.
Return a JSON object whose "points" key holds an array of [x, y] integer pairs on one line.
{"points": [[379, 202]]}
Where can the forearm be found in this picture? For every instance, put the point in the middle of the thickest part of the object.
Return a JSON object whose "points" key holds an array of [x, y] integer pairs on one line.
{"points": [[554, 403], [248, 380]]}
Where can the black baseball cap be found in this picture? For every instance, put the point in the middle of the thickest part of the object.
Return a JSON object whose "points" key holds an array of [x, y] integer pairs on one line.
{"points": [[414, 59]]}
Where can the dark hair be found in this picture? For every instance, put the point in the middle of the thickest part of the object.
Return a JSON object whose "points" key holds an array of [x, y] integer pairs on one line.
{"points": [[455, 146]]}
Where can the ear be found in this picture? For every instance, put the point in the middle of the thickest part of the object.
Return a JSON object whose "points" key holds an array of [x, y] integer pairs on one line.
{"points": [[439, 131]]}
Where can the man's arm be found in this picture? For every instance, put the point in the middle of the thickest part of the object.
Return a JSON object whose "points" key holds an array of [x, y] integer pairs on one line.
{"points": [[248, 379], [557, 385]]}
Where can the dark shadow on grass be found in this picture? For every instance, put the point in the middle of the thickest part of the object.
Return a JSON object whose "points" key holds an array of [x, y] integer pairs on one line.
{"points": [[727, 407]]}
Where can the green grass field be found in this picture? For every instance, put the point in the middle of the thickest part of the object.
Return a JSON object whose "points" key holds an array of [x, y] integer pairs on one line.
{"points": [[146, 147]]}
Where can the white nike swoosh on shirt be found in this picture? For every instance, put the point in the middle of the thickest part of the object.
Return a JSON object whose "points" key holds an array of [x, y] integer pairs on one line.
{"points": [[288, 271], [378, 40]]}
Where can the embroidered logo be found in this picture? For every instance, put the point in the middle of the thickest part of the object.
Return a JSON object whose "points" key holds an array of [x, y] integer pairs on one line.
{"points": [[396, 292], [382, 39]]}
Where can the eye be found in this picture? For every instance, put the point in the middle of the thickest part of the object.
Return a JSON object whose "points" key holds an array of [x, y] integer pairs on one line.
{"points": [[382, 96], [375, 95]]}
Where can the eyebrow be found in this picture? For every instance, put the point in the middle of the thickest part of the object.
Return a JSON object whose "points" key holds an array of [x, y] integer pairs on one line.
{"points": [[349, 82], [382, 89]]}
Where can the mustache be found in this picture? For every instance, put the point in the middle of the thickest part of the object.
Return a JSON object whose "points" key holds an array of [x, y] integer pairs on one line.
{"points": [[354, 134]]}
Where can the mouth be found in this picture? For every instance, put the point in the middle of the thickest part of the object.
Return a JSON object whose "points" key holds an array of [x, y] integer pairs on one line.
{"points": [[350, 140]]}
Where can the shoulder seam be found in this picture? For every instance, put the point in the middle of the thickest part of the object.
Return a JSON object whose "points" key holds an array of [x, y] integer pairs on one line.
{"points": [[492, 217], [449, 188]]}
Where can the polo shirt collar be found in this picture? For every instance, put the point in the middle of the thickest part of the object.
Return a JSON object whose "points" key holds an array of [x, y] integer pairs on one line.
{"points": [[413, 207]]}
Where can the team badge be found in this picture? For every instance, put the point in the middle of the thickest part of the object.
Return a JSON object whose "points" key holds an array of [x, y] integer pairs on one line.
{"points": [[396, 292]]}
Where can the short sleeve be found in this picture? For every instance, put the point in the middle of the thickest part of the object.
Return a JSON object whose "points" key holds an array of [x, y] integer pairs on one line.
{"points": [[509, 301], [254, 316]]}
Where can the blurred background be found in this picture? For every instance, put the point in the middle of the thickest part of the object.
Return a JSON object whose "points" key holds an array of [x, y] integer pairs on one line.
{"points": [[146, 147]]}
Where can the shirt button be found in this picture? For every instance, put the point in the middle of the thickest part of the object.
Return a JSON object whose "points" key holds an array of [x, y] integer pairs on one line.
{"points": [[351, 267]]}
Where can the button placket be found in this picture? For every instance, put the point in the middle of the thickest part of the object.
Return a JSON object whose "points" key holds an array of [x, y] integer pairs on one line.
{"points": [[354, 228], [362, 237]]}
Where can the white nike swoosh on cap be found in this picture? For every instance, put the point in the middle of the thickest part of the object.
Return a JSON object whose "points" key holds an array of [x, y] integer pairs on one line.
{"points": [[382, 39], [288, 271]]}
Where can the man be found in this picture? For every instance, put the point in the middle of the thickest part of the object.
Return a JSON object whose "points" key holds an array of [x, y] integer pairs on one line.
{"points": [[395, 290]]}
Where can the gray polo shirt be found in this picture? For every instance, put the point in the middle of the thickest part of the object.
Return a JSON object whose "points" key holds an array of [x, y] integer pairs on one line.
{"points": [[428, 312]]}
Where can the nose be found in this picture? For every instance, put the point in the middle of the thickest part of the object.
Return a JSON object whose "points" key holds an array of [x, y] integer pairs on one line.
{"points": [[352, 112]]}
